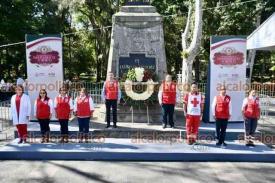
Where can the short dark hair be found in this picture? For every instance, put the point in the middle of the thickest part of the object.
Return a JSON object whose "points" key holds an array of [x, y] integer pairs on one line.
{"points": [[20, 86], [194, 83]]}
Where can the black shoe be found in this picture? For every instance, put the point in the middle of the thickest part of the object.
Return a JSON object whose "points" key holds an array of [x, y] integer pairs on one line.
{"points": [[218, 144], [172, 126], [43, 140], [108, 126], [25, 141], [251, 144], [80, 141], [224, 144], [20, 141], [115, 126], [164, 126]]}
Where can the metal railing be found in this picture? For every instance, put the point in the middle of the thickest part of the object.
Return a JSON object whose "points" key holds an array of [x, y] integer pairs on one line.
{"points": [[5, 122], [94, 89]]}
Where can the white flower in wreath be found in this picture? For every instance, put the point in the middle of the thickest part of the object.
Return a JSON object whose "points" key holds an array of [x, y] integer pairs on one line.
{"points": [[139, 71], [139, 96]]}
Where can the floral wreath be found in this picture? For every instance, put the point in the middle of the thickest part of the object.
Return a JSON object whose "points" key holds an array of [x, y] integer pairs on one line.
{"points": [[138, 74]]}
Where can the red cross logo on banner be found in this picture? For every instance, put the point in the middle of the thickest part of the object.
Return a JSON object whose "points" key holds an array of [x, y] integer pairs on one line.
{"points": [[195, 102]]}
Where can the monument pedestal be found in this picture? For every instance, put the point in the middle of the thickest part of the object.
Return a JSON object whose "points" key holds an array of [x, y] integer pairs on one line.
{"points": [[150, 115], [137, 41]]}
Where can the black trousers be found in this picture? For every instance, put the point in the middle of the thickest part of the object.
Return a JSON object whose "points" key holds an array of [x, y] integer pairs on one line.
{"points": [[84, 125], [64, 129], [168, 111], [111, 104], [221, 125], [44, 126], [250, 126]]}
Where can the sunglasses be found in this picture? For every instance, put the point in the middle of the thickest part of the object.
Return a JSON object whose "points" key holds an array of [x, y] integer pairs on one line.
{"points": [[42, 93]]}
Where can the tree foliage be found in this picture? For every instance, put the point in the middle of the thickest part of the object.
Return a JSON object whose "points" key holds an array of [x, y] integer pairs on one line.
{"points": [[86, 49]]}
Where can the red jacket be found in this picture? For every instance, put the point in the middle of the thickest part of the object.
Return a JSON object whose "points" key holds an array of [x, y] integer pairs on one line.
{"points": [[83, 107], [169, 93], [111, 90], [63, 108], [222, 107], [42, 109], [252, 109]]}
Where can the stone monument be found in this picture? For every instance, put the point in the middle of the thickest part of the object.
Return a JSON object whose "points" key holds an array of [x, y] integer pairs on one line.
{"points": [[137, 40]]}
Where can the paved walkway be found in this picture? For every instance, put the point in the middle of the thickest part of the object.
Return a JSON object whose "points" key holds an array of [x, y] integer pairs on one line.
{"points": [[134, 172]]}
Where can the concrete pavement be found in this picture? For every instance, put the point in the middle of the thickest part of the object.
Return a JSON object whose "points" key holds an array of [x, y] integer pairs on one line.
{"points": [[134, 172]]}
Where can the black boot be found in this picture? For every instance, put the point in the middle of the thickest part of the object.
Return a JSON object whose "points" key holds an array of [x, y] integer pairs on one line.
{"points": [[115, 126], [80, 138], [61, 139]]}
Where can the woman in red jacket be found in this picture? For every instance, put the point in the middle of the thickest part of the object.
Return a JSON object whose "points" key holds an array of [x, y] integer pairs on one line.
{"points": [[83, 109], [43, 109], [251, 113], [63, 107]]}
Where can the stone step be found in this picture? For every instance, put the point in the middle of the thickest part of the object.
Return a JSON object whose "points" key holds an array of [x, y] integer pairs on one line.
{"points": [[129, 150], [235, 131], [143, 134]]}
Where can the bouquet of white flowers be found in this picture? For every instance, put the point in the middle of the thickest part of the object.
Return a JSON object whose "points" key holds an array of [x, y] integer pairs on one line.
{"points": [[139, 73]]}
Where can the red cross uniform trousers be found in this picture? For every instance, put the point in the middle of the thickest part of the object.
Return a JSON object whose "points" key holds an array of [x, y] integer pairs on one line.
{"points": [[194, 104]]}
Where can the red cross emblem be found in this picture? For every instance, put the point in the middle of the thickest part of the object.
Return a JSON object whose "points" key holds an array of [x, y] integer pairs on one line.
{"points": [[195, 102]]}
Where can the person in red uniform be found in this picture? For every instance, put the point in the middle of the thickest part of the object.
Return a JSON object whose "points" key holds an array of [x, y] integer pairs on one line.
{"points": [[43, 109], [168, 96], [193, 110], [221, 110], [63, 107], [111, 94], [251, 111], [20, 113], [83, 109]]}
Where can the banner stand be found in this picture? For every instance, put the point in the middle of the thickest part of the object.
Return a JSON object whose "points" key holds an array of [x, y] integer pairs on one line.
{"points": [[44, 56], [227, 66]]}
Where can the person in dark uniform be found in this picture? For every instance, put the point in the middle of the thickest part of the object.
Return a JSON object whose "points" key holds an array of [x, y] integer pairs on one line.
{"points": [[111, 94], [168, 96], [222, 110]]}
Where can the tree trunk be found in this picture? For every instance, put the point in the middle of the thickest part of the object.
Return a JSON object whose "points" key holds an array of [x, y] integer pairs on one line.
{"points": [[186, 72], [197, 69], [192, 51]]}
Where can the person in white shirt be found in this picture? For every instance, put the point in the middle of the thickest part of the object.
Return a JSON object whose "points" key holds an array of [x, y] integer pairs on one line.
{"points": [[193, 111], [251, 110], [63, 106], [20, 112], [83, 109], [43, 110], [222, 111], [111, 95], [168, 96]]}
